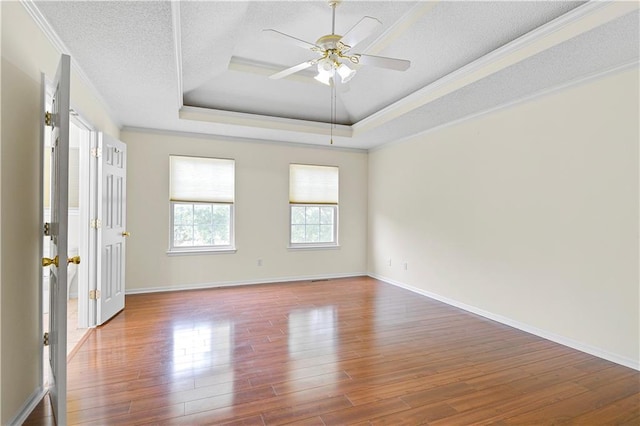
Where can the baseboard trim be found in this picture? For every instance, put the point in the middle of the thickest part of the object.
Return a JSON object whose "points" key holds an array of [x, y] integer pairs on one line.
{"points": [[29, 405], [591, 350], [274, 280], [79, 343]]}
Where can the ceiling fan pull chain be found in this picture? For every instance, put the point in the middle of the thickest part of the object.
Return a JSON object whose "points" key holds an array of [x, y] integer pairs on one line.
{"points": [[333, 110], [331, 119]]}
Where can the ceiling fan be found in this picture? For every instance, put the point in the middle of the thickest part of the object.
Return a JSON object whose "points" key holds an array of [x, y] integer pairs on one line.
{"points": [[336, 51]]}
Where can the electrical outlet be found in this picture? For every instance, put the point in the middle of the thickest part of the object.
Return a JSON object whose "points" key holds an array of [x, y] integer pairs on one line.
{"points": [[405, 266], [389, 261], [259, 262]]}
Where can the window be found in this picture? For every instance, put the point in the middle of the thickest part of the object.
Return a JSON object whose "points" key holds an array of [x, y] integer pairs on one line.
{"points": [[313, 203], [202, 197]]}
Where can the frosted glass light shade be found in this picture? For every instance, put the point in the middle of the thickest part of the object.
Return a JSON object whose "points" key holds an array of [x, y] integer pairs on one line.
{"points": [[346, 73]]}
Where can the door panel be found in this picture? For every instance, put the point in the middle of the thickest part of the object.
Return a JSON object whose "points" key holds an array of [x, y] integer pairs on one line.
{"points": [[58, 241], [112, 239]]}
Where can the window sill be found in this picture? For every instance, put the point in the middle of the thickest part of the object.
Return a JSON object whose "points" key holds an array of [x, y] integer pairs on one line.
{"points": [[313, 247], [199, 252]]}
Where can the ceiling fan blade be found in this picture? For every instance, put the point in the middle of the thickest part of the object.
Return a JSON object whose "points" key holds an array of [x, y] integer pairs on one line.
{"points": [[291, 39], [363, 29], [294, 69], [384, 62]]}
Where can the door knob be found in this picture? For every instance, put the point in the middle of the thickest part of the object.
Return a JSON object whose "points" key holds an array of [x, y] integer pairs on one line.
{"points": [[75, 260], [126, 234], [48, 262]]}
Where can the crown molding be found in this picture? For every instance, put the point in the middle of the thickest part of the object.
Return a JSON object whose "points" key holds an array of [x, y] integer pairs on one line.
{"points": [[263, 121], [236, 139], [45, 27], [572, 24], [177, 49], [58, 44], [514, 103]]}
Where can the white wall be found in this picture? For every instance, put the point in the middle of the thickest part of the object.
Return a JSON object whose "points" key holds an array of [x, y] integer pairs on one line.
{"points": [[0, 215], [25, 54], [261, 214], [529, 214], [19, 241]]}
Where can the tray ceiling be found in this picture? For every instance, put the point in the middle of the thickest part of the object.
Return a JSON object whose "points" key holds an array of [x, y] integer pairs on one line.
{"points": [[203, 66]]}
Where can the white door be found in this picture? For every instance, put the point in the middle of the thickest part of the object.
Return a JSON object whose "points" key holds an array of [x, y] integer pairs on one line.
{"points": [[59, 121], [112, 234]]}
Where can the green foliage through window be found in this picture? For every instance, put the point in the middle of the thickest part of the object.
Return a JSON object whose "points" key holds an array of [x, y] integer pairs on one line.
{"points": [[201, 224], [313, 224]]}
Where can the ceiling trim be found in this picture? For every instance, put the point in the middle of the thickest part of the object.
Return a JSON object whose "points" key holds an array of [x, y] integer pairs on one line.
{"points": [[511, 104], [59, 45], [44, 25], [225, 138], [572, 24], [578, 21], [177, 49], [266, 69], [264, 121]]}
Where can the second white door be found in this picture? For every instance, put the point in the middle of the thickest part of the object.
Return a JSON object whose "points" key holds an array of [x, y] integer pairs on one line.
{"points": [[112, 232]]}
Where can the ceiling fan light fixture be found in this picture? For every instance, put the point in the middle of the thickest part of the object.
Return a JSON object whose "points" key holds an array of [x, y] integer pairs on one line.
{"points": [[346, 73], [336, 56], [325, 65], [324, 77], [325, 72]]}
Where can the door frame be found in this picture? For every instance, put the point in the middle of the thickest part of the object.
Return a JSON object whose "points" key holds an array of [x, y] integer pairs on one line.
{"points": [[87, 210], [46, 94], [87, 199], [93, 180]]}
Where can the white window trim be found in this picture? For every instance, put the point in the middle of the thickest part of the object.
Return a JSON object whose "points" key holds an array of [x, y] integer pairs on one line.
{"points": [[315, 245], [199, 250]]}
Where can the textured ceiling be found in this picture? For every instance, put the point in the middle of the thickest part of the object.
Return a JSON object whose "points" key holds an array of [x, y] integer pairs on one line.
{"points": [[203, 66], [443, 40]]}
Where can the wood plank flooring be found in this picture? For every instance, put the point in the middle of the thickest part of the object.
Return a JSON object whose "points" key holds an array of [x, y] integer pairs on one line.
{"points": [[346, 351]]}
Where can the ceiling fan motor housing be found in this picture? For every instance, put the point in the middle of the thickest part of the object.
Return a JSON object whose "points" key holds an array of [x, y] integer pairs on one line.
{"points": [[329, 41]]}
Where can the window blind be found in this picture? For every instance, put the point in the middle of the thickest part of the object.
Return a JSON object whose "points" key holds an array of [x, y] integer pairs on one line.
{"points": [[198, 179], [313, 184]]}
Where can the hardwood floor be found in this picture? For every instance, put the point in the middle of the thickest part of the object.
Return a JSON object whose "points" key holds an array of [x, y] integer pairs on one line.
{"points": [[347, 351]]}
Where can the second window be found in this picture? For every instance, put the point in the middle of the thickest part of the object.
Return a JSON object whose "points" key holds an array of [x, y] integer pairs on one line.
{"points": [[313, 201]]}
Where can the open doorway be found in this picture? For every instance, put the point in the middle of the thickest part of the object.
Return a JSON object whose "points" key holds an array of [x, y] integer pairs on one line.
{"points": [[81, 141]]}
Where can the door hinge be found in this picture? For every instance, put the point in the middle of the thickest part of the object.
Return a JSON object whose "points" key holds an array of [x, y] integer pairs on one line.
{"points": [[45, 339], [94, 294], [96, 152], [48, 119], [96, 223], [47, 229]]}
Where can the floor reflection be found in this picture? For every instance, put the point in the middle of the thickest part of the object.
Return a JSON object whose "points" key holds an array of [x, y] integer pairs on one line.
{"points": [[310, 329], [205, 350], [202, 345], [312, 334]]}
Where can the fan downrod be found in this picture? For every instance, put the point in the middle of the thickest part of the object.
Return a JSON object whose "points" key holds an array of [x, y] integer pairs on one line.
{"points": [[332, 5]]}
